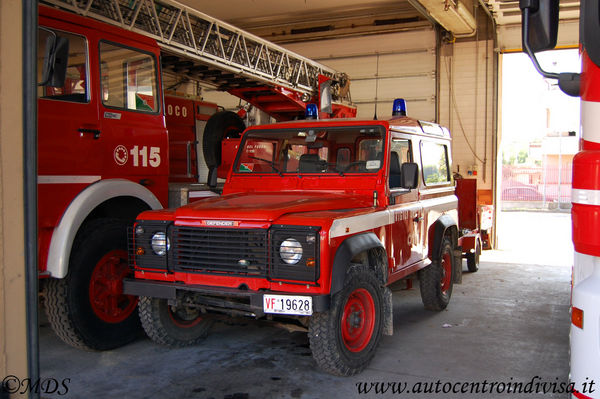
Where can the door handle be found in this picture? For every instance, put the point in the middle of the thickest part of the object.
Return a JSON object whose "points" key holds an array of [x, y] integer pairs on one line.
{"points": [[95, 132]]}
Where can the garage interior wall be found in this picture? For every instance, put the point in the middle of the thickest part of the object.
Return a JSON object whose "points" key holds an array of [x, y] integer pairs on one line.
{"points": [[385, 66], [467, 106], [13, 323]]}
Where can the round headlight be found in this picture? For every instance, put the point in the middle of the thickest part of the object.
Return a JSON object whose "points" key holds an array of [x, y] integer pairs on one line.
{"points": [[290, 251], [160, 243]]}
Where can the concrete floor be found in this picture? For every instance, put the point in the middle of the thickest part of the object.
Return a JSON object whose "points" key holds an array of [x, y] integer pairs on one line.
{"points": [[507, 323]]}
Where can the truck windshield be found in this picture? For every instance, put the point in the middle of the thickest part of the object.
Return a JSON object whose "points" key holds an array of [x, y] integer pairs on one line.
{"points": [[322, 150]]}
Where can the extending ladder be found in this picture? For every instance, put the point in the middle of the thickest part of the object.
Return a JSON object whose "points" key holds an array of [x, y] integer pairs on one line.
{"points": [[201, 47]]}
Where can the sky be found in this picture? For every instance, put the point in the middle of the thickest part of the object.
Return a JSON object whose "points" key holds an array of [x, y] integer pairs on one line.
{"points": [[526, 96]]}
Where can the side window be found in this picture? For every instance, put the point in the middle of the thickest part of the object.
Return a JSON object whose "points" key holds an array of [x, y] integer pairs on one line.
{"points": [[402, 149], [75, 87], [434, 158], [400, 153], [128, 78]]}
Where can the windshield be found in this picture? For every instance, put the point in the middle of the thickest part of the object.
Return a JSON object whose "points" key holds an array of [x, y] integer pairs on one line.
{"points": [[322, 150]]}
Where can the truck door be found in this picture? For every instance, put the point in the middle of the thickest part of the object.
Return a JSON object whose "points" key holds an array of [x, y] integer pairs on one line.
{"points": [[68, 148], [407, 247], [436, 189], [133, 127]]}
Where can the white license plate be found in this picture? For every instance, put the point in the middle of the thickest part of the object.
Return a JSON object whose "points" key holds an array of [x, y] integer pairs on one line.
{"points": [[288, 304]]}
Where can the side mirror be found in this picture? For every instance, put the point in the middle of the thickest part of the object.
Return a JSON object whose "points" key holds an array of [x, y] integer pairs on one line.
{"points": [[56, 57], [540, 32], [409, 175], [541, 19]]}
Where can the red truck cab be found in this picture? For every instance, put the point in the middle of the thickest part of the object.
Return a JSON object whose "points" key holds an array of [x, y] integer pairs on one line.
{"points": [[316, 220]]}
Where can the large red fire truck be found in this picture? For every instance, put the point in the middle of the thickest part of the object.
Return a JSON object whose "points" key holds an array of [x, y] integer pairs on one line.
{"points": [[316, 220], [540, 27], [105, 153]]}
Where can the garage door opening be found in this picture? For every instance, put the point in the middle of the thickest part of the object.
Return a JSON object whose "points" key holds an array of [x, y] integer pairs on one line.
{"points": [[539, 138], [540, 133]]}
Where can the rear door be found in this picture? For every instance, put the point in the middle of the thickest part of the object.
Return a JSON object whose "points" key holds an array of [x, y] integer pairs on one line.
{"points": [[437, 187], [407, 245]]}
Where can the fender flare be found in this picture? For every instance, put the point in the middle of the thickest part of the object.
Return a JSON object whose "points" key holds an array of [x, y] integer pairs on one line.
{"points": [[83, 204], [347, 250], [437, 231]]}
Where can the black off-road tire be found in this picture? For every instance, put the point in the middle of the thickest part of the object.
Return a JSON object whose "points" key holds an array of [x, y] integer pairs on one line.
{"points": [[473, 258], [164, 327], [223, 124], [435, 280], [68, 300], [339, 355]]}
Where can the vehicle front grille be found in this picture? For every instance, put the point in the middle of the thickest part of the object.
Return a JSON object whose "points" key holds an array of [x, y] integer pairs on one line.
{"points": [[227, 251]]}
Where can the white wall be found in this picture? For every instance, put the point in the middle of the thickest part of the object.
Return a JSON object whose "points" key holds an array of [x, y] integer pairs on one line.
{"points": [[406, 69], [467, 106]]}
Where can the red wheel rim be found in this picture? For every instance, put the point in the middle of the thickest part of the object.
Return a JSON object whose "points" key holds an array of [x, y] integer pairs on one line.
{"points": [[106, 288], [183, 322], [358, 320], [446, 272]]}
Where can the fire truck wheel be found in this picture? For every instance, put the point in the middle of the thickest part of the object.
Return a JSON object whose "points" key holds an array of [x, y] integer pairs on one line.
{"points": [[87, 309], [343, 340], [224, 124], [473, 258], [436, 279], [170, 325]]}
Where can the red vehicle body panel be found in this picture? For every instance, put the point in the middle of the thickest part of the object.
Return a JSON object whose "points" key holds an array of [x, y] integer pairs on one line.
{"points": [[185, 120], [69, 160]]}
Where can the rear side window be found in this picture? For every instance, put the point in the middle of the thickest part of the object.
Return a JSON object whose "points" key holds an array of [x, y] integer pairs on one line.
{"points": [[75, 87], [434, 159], [128, 78]]}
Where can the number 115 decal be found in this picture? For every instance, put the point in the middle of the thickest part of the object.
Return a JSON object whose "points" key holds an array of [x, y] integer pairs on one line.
{"points": [[140, 156]]}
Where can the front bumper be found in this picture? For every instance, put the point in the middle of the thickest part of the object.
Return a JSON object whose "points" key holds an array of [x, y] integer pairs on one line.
{"points": [[232, 300]]}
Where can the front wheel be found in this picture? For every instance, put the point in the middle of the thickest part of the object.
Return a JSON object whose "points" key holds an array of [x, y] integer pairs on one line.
{"points": [[343, 340], [435, 280], [174, 326], [87, 309]]}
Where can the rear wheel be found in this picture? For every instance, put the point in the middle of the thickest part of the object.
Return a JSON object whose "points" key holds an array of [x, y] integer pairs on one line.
{"points": [[344, 339], [473, 258], [172, 325], [87, 309], [435, 280]]}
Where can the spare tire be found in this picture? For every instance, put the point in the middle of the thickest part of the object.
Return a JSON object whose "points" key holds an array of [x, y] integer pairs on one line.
{"points": [[222, 125]]}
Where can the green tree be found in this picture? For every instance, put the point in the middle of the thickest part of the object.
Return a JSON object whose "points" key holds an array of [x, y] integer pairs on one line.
{"points": [[522, 156]]}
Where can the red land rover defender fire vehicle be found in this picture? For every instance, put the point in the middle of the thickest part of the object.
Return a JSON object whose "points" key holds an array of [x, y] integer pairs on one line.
{"points": [[316, 220]]}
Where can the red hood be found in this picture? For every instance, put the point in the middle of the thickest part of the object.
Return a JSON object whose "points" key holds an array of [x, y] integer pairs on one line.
{"points": [[268, 206]]}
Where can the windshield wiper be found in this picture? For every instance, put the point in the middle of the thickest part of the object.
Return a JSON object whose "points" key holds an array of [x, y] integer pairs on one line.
{"points": [[270, 163]]}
